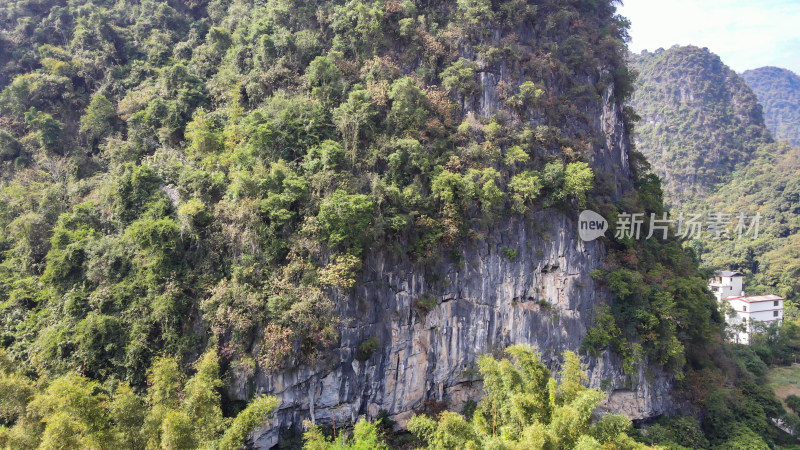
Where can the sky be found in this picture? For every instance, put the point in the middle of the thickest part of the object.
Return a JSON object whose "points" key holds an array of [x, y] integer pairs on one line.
{"points": [[746, 34]]}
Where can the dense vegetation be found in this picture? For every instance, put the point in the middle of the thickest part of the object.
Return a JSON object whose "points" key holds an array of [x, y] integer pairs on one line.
{"points": [[778, 91], [699, 120], [662, 311], [72, 411], [770, 186], [200, 180], [690, 126], [168, 164], [183, 176], [694, 108]]}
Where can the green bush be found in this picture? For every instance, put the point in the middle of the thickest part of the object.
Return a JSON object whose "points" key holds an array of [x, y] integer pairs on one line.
{"points": [[409, 105], [353, 119], [48, 129], [325, 80], [367, 348], [527, 98], [344, 219], [510, 253], [99, 120], [426, 303], [793, 402], [459, 78], [578, 181], [526, 187], [475, 14], [10, 147]]}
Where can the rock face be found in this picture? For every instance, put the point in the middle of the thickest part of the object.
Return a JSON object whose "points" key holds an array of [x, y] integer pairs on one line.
{"points": [[543, 296], [485, 301]]}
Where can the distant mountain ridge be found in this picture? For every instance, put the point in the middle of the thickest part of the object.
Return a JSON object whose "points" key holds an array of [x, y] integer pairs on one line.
{"points": [[778, 91], [703, 131], [700, 120]]}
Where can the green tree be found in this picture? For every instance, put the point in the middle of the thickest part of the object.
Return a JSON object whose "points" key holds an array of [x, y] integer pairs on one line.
{"points": [[71, 410], [163, 395], [742, 438], [527, 97], [353, 119], [553, 180], [203, 137], [10, 147], [482, 185], [127, 410], [409, 103], [366, 436], [358, 27], [201, 400], [524, 407], [578, 178], [15, 390], [525, 187], [344, 219], [475, 14], [793, 402], [177, 431], [253, 416], [325, 80], [99, 120], [48, 130], [459, 78]]}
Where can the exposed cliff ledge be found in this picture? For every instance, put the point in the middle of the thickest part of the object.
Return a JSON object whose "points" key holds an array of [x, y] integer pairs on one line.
{"points": [[483, 305]]}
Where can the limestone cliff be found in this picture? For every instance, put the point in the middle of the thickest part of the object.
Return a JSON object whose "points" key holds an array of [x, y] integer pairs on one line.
{"points": [[544, 297], [485, 300], [343, 202]]}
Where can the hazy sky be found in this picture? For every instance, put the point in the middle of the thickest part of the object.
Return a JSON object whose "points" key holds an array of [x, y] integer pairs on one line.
{"points": [[745, 33]]}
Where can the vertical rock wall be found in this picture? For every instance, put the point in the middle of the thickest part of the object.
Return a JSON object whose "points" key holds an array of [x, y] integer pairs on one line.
{"points": [[485, 301], [543, 297]]}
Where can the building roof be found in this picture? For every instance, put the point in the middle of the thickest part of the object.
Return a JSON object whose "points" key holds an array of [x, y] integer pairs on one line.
{"points": [[728, 273], [755, 298]]}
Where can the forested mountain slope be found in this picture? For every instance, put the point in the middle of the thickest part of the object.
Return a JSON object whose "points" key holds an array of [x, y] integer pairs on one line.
{"points": [[769, 186], [701, 125], [703, 131], [341, 204], [778, 91], [700, 120]]}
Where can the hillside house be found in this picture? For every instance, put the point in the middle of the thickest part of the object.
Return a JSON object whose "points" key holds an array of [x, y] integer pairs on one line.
{"points": [[726, 284], [751, 311]]}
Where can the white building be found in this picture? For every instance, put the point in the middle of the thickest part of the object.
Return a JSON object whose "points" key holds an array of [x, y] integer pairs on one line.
{"points": [[750, 312], [726, 284]]}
